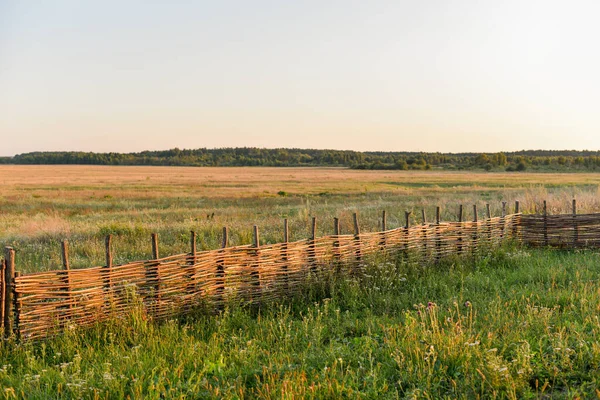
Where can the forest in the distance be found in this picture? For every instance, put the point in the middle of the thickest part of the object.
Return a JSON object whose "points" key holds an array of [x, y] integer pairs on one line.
{"points": [[536, 160]]}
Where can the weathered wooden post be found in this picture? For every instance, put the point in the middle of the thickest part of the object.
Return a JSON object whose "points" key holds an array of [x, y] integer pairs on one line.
{"points": [[2, 290], [67, 273], [109, 263], [438, 234], [190, 287], [424, 234], [357, 243], [336, 245], [312, 255], [575, 225], [286, 231], [256, 268], [220, 271], [106, 271], [503, 222], [9, 272], [17, 305], [546, 241], [515, 221], [154, 237], [475, 235], [193, 248], [284, 257], [153, 273], [459, 240], [488, 222], [382, 241], [406, 233]]}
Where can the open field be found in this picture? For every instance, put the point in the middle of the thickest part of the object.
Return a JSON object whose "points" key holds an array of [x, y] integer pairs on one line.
{"points": [[259, 181], [41, 205], [517, 323]]}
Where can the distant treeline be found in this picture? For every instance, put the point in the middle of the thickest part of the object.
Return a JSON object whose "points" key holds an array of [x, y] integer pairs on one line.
{"points": [[551, 160]]}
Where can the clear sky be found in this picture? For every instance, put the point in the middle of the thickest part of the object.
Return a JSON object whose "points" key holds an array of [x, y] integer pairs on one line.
{"points": [[365, 75]]}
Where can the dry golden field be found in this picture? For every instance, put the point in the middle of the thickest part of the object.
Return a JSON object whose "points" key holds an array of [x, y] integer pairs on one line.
{"points": [[127, 181], [41, 205]]}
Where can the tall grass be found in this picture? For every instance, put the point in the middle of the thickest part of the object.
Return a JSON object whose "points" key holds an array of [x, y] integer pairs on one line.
{"points": [[515, 324], [35, 227]]}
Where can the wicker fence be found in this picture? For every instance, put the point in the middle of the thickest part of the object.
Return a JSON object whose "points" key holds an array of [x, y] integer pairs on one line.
{"points": [[564, 230], [38, 305]]}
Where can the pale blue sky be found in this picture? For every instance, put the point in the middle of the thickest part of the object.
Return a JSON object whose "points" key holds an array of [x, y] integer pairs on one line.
{"points": [[365, 75]]}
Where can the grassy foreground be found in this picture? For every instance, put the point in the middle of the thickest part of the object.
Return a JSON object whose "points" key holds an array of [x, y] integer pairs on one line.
{"points": [[518, 324]]}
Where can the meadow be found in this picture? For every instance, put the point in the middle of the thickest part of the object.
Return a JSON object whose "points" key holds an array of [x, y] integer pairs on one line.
{"points": [[41, 205], [517, 323]]}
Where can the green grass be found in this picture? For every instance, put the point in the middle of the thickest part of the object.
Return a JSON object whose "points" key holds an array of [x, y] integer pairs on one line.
{"points": [[516, 324], [529, 329]]}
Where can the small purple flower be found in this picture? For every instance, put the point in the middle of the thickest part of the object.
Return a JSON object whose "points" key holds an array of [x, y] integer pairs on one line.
{"points": [[467, 303], [430, 305]]}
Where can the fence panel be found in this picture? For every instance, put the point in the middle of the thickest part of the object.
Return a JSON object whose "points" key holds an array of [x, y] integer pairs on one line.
{"points": [[251, 274]]}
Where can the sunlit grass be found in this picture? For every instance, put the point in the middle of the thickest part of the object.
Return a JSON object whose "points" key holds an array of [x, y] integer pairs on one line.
{"points": [[41, 205], [516, 324]]}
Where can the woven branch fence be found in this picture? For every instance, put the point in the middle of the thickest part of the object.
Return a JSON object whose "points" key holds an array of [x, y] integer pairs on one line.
{"points": [[42, 304], [564, 230]]}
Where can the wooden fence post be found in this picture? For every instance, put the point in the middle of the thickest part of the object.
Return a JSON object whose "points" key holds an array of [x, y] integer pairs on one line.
{"points": [[220, 272], [459, 240], [193, 247], [153, 273], [190, 287], [424, 233], [406, 233], [358, 252], [503, 222], [336, 245], [515, 229], [312, 256], [67, 273], [382, 241], [475, 236], [256, 268], [284, 256], [438, 234], [488, 214], [155, 255], [2, 290], [546, 242], [65, 255], [17, 305], [109, 262], [575, 225], [9, 272], [256, 237], [106, 271], [225, 238]]}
